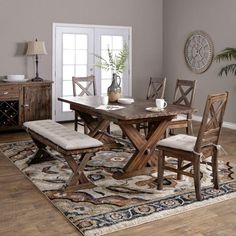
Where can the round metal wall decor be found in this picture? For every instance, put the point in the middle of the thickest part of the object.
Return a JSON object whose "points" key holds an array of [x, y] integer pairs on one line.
{"points": [[198, 51]]}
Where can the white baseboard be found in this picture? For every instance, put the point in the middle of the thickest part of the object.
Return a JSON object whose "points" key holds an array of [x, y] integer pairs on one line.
{"points": [[228, 125]]}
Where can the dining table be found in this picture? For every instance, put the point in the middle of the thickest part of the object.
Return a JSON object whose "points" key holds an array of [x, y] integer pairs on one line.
{"points": [[98, 117]]}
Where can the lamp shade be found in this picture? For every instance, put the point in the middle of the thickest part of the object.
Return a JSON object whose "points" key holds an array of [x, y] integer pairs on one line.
{"points": [[36, 48]]}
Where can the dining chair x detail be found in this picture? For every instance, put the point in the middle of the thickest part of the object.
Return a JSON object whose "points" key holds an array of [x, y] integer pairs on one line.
{"points": [[190, 151], [156, 89], [83, 86], [184, 95]]}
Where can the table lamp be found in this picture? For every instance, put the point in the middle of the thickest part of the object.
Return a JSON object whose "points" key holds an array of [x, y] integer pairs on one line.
{"points": [[36, 48]]}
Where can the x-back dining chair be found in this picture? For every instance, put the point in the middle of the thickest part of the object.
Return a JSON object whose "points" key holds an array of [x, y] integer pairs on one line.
{"points": [[156, 89], [184, 94], [83, 86], [190, 151]]}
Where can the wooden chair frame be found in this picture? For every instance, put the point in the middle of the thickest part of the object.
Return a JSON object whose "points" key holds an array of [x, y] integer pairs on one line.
{"points": [[184, 94], [156, 89], [206, 145], [89, 90]]}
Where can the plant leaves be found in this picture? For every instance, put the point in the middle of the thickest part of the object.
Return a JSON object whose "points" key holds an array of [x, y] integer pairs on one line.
{"points": [[227, 54], [115, 63]]}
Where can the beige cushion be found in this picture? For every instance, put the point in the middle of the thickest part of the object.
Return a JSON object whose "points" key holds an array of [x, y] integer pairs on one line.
{"points": [[180, 141], [62, 136], [180, 117]]}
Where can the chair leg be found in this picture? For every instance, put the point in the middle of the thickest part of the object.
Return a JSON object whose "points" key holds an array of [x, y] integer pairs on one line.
{"points": [[138, 127], [76, 122], [189, 128], [85, 129], [166, 134], [197, 181], [179, 175], [145, 129], [160, 173], [214, 161], [109, 129]]}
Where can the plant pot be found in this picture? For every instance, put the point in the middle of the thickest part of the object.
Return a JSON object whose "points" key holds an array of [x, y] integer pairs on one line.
{"points": [[114, 90]]}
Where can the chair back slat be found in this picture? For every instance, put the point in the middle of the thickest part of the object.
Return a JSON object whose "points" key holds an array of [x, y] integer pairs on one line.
{"points": [[212, 121], [84, 86], [184, 92], [156, 88]]}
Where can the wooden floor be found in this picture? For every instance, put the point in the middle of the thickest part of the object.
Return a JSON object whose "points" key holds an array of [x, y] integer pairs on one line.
{"points": [[24, 211]]}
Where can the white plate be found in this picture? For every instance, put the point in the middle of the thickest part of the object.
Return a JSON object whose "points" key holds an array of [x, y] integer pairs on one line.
{"points": [[153, 109], [14, 80], [125, 100]]}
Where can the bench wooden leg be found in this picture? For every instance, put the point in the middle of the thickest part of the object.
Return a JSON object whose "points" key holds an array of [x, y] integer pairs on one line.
{"points": [[78, 176], [41, 155]]}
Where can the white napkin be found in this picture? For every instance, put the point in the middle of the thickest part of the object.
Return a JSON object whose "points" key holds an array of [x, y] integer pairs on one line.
{"points": [[109, 107]]}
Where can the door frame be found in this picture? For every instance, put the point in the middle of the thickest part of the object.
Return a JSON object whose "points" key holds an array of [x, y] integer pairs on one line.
{"points": [[55, 25]]}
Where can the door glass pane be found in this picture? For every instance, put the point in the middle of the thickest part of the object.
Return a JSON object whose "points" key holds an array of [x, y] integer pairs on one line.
{"points": [[68, 57], [117, 42], [106, 74], [68, 72], [81, 57], [81, 41], [67, 88], [75, 62], [106, 41], [81, 70], [105, 83], [68, 41]]}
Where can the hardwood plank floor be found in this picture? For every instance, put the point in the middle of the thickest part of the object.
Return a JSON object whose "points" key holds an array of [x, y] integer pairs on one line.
{"points": [[26, 212]]}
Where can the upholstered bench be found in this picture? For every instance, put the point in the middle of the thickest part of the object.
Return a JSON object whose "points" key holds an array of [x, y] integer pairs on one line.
{"points": [[65, 141]]}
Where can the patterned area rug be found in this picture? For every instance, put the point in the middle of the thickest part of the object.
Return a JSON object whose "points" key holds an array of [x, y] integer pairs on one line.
{"points": [[116, 204]]}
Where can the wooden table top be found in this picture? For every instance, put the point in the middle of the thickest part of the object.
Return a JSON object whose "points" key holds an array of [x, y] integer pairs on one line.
{"points": [[134, 111]]}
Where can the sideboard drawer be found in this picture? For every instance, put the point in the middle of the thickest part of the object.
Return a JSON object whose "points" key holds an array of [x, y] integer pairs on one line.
{"points": [[8, 91]]}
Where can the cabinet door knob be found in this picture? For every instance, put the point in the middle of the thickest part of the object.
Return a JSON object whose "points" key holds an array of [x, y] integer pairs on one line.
{"points": [[26, 105]]}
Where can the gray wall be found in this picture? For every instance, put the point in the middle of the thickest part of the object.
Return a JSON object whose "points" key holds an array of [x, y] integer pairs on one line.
{"points": [[154, 52], [24, 20], [218, 19]]}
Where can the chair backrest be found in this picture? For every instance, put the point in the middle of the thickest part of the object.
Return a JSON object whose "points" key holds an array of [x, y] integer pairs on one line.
{"points": [[156, 88], [184, 92], [84, 86], [210, 128]]}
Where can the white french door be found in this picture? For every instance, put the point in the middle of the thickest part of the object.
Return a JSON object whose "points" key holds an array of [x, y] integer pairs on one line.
{"points": [[74, 50]]}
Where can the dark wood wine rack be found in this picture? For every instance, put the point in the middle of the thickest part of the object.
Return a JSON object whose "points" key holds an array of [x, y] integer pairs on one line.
{"points": [[9, 113]]}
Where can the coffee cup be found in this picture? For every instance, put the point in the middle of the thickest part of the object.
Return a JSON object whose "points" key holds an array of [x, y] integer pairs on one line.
{"points": [[161, 103], [104, 100]]}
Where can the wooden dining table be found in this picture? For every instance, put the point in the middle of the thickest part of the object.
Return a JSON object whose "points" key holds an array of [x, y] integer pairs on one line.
{"points": [[98, 118]]}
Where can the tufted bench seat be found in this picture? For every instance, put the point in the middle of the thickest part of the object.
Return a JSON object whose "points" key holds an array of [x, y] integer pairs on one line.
{"points": [[67, 142]]}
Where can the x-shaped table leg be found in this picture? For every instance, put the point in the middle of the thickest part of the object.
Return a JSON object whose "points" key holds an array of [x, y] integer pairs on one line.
{"points": [[145, 147]]}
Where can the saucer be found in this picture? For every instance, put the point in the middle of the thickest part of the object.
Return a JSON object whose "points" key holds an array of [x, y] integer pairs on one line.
{"points": [[154, 109]]}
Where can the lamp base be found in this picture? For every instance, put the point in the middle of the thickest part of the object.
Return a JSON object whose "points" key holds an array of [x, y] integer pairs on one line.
{"points": [[37, 79]]}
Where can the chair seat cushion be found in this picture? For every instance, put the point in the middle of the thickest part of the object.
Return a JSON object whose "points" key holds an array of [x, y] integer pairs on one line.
{"points": [[180, 141], [62, 136], [180, 117]]}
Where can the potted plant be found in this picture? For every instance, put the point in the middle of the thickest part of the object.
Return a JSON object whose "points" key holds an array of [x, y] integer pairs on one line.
{"points": [[117, 65], [227, 54]]}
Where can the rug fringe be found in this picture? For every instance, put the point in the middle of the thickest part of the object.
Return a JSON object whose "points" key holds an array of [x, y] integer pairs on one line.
{"points": [[159, 215]]}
